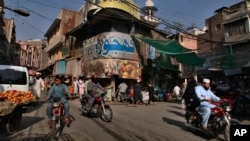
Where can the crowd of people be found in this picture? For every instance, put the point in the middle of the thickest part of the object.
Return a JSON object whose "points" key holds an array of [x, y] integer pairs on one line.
{"points": [[88, 86]]}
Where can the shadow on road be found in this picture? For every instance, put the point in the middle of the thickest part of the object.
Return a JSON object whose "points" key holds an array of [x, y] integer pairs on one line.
{"points": [[176, 107], [27, 121], [38, 105], [184, 127], [177, 113]]}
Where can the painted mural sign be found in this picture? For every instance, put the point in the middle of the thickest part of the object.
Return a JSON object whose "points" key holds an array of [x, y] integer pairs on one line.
{"points": [[113, 45], [107, 67]]}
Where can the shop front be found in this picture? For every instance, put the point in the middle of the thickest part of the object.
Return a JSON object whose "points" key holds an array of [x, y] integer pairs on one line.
{"points": [[112, 57]]}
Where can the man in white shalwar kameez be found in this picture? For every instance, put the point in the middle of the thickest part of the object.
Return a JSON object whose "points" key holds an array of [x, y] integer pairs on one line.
{"points": [[38, 85]]}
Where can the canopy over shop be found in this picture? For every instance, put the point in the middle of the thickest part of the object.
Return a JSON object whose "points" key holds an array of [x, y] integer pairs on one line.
{"points": [[174, 49]]}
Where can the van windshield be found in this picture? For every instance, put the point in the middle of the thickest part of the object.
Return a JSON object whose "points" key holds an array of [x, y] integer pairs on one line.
{"points": [[11, 76]]}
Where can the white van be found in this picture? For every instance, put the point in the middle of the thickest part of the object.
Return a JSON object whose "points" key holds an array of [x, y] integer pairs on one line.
{"points": [[14, 78]]}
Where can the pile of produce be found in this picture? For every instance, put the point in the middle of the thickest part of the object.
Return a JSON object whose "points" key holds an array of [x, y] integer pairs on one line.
{"points": [[17, 97]]}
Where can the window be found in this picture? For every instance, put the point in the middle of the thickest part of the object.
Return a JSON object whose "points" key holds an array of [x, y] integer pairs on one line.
{"points": [[236, 28], [218, 27], [181, 39], [10, 76]]}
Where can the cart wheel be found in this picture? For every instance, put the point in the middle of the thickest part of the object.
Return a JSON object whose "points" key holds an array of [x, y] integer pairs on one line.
{"points": [[13, 122]]}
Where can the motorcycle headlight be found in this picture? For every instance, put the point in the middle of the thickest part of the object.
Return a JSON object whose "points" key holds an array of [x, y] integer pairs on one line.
{"points": [[55, 104], [227, 108]]}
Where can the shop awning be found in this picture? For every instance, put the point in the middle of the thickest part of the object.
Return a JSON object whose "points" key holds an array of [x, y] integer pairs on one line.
{"points": [[228, 61], [173, 48], [167, 65]]}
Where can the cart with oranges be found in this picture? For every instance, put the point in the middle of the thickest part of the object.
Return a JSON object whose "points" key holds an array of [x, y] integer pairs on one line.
{"points": [[12, 105]]}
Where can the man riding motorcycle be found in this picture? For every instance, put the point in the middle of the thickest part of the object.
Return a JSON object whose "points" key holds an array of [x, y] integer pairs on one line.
{"points": [[93, 86], [58, 90], [205, 95]]}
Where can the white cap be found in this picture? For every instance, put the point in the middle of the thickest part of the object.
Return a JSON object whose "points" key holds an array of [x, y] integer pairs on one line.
{"points": [[38, 73], [205, 80]]}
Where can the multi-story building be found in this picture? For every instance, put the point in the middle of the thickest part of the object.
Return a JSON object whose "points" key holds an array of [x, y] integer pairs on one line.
{"points": [[189, 41], [108, 47], [2, 34], [236, 23], [210, 44], [30, 54], [102, 42], [57, 48]]}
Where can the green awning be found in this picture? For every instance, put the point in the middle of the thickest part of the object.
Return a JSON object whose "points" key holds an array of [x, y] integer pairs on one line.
{"points": [[173, 48], [228, 61], [167, 65]]}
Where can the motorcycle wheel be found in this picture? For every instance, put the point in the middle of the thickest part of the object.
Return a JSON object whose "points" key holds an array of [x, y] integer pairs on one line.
{"points": [[54, 129], [84, 107], [108, 115], [226, 132]]}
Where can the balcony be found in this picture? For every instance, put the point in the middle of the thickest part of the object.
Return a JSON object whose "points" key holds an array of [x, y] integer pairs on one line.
{"points": [[76, 52], [237, 38], [237, 15], [54, 43]]}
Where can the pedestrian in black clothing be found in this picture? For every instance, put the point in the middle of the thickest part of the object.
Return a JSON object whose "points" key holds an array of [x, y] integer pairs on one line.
{"points": [[190, 94], [151, 92], [137, 91]]}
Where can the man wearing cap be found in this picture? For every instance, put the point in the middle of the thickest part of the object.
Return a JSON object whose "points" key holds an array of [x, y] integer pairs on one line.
{"points": [[205, 95], [37, 85]]}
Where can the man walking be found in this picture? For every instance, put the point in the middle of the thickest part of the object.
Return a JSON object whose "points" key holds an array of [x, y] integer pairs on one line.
{"points": [[122, 88], [37, 85]]}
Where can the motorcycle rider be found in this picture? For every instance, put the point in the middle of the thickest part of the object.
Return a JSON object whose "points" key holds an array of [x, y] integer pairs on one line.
{"points": [[93, 86], [58, 90], [206, 96]]}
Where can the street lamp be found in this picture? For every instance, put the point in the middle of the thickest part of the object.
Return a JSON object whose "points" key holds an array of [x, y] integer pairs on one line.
{"points": [[21, 12]]}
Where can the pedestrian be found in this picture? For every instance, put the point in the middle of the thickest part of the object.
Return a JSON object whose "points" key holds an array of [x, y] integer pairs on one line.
{"points": [[151, 93], [177, 91], [131, 95], [122, 88], [75, 86], [81, 87], [137, 92], [37, 85]]}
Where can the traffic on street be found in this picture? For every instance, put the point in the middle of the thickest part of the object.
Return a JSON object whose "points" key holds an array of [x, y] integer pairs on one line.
{"points": [[162, 121]]}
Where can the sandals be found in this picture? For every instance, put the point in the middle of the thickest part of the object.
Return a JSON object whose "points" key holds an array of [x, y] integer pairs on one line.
{"points": [[67, 121]]}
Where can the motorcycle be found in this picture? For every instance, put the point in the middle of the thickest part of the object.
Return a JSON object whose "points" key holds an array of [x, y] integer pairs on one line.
{"points": [[99, 108], [242, 104], [58, 117], [219, 121]]}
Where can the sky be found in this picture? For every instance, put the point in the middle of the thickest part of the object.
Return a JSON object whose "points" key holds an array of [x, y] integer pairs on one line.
{"points": [[43, 13]]}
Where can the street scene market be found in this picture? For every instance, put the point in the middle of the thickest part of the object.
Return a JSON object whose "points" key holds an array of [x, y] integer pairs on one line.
{"points": [[122, 70]]}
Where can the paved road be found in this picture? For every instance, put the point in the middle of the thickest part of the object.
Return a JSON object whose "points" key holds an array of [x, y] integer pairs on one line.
{"points": [[161, 122]]}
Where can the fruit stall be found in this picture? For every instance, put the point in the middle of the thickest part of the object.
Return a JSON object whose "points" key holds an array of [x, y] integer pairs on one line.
{"points": [[12, 105]]}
